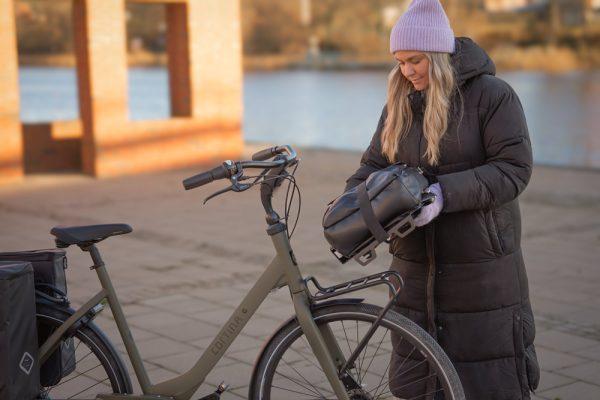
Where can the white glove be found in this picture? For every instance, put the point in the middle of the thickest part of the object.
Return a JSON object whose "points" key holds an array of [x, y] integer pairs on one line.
{"points": [[429, 212]]}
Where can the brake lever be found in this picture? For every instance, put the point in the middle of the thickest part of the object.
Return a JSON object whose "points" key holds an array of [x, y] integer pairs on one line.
{"points": [[236, 186], [217, 193]]}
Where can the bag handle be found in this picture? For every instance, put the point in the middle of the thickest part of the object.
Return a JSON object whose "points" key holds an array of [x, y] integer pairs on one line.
{"points": [[368, 214]]}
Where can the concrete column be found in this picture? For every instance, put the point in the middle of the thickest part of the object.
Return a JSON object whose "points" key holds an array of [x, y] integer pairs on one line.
{"points": [[100, 49], [215, 47], [179, 59], [11, 145]]}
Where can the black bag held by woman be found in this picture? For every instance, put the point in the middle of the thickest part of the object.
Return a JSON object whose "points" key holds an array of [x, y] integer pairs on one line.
{"points": [[365, 216]]}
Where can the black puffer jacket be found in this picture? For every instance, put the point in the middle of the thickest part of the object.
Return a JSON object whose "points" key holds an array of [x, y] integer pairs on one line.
{"points": [[465, 279]]}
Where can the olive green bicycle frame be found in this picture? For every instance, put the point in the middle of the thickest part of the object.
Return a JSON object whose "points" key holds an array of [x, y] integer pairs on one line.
{"points": [[282, 271]]}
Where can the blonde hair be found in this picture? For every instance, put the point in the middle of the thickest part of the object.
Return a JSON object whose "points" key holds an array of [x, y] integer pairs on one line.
{"points": [[442, 83]]}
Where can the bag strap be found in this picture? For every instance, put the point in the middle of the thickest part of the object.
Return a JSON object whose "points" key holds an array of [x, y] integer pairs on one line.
{"points": [[369, 215]]}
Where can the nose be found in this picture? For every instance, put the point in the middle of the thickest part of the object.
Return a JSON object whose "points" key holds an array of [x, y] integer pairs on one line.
{"points": [[408, 70]]}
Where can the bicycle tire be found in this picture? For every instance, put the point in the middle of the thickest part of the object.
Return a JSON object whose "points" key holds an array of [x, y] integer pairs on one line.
{"points": [[261, 387], [87, 380]]}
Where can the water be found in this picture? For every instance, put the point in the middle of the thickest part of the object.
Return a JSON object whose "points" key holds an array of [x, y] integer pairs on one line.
{"points": [[340, 109]]}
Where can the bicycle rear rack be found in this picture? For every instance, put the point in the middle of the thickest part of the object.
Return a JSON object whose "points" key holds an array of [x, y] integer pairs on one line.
{"points": [[381, 278]]}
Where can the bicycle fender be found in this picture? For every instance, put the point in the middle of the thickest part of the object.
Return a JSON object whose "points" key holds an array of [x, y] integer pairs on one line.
{"points": [[321, 304]]}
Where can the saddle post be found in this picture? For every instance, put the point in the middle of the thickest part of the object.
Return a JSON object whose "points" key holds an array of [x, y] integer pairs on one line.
{"points": [[117, 311], [95, 254]]}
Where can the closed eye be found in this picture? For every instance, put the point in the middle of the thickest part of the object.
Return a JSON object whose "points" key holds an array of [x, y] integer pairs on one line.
{"points": [[412, 61]]}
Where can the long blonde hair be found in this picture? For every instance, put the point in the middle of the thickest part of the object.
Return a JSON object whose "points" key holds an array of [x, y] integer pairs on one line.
{"points": [[439, 93]]}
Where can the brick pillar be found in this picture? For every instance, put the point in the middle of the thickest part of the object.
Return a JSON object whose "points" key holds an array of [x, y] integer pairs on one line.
{"points": [[100, 50], [179, 59], [11, 148], [215, 46]]}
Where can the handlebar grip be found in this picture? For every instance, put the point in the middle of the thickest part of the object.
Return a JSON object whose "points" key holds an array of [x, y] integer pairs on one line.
{"points": [[266, 154], [214, 174]]}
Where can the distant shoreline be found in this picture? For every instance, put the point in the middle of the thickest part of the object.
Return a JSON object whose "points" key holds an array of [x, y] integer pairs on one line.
{"points": [[507, 58]]}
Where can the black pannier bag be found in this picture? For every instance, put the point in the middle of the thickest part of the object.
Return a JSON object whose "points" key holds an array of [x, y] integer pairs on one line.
{"points": [[356, 222], [19, 368], [48, 267], [51, 287]]}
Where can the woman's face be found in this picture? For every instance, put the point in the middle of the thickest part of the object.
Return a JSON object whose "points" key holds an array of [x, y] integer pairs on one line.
{"points": [[415, 67]]}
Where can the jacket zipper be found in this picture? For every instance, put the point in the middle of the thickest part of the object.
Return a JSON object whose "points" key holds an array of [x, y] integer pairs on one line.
{"points": [[431, 317], [431, 271]]}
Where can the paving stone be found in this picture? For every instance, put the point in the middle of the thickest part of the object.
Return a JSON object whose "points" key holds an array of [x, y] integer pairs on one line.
{"points": [[247, 356], [591, 353], [573, 391], [564, 342], [181, 363], [186, 280], [589, 372], [158, 320], [215, 317], [536, 397], [224, 296], [188, 306], [551, 360], [187, 332], [158, 347], [549, 380], [131, 310]]}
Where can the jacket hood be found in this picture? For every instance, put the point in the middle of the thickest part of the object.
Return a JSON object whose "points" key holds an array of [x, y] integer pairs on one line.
{"points": [[469, 60]]}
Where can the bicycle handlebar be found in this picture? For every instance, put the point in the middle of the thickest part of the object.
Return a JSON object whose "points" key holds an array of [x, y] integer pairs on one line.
{"points": [[273, 151], [265, 154], [229, 168], [203, 178]]}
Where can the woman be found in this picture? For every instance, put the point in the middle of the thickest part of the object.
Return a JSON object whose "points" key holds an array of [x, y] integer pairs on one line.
{"points": [[464, 275]]}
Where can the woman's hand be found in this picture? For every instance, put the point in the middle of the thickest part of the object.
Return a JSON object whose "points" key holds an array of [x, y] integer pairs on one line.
{"points": [[429, 212]]}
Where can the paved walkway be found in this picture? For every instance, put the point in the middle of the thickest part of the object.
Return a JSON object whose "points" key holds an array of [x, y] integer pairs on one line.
{"points": [[186, 266]]}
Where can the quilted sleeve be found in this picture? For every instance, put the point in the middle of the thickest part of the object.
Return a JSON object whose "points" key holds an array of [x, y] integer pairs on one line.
{"points": [[508, 165]]}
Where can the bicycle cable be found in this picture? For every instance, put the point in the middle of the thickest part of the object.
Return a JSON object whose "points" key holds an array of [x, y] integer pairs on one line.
{"points": [[288, 205], [288, 199]]}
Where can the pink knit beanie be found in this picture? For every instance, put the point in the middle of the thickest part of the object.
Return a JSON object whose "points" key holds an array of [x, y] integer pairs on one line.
{"points": [[424, 27]]}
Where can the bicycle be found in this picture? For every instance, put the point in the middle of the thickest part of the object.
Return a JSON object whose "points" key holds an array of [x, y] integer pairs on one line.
{"points": [[333, 348]]}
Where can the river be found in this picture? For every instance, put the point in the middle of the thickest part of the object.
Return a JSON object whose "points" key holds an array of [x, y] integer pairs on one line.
{"points": [[340, 110]]}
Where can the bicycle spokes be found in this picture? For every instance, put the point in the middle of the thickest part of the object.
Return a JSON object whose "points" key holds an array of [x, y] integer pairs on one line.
{"points": [[387, 367]]}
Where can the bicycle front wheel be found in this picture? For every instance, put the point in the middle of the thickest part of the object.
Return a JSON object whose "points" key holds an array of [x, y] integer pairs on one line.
{"points": [[400, 361], [98, 369]]}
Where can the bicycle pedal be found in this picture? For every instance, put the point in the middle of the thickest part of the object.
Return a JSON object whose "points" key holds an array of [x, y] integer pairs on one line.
{"points": [[217, 394]]}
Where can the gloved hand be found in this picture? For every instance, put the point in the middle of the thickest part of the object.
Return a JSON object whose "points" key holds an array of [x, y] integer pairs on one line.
{"points": [[429, 212]]}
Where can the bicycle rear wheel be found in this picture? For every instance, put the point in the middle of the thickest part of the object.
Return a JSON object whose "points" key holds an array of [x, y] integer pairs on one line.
{"points": [[401, 361], [98, 368]]}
